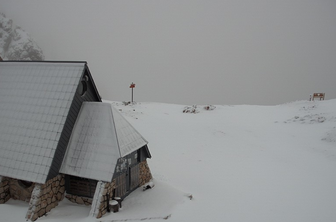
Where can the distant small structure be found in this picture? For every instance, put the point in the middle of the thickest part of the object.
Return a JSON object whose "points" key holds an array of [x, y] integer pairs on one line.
{"points": [[0, 59], [317, 95]]}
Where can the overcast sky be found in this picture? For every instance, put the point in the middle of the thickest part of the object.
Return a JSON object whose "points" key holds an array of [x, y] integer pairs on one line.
{"points": [[259, 52]]}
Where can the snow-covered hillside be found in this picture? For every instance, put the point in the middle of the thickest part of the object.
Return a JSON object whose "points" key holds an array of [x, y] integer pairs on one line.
{"points": [[15, 43], [234, 163]]}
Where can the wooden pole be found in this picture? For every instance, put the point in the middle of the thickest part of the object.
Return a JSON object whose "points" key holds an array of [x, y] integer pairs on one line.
{"points": [[132, 95], [132, 86]]}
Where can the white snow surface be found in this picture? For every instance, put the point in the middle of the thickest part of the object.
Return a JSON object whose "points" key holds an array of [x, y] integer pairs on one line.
{"points": [[234, 163]]}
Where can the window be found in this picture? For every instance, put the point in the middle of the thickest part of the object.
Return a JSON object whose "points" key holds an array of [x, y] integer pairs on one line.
{"points": [[82, 88], [81, 186]]}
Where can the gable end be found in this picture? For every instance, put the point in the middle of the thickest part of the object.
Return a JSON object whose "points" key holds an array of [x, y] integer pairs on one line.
{"points": [[90, 94]]}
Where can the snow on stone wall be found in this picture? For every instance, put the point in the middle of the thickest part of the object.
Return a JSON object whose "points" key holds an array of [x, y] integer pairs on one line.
{"points": [[46, 197], [97, 199], [107, 192]]}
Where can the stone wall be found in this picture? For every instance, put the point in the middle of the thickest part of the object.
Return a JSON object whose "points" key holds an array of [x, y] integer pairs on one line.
{"points": [[105, 193], [45, 197], [4, 190], [79, 200], [15, 189], [145, 173], [20, 191]]}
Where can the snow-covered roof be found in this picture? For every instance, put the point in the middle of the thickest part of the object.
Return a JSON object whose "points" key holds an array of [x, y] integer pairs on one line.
{"points": [[35, 98], [100, 137]]}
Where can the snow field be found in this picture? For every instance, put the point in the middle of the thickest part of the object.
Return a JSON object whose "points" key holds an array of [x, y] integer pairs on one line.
{"points": [[238, 163]]}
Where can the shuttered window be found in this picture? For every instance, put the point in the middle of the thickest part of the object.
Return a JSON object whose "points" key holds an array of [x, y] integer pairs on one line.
{"points": [[81, 186]]}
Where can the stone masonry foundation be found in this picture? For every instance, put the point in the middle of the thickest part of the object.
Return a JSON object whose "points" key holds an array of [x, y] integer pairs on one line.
{"points": [[4, 190], [79, 200], [105, 191], [145, 173], [45, 197], [15, 189], [20, 191]]}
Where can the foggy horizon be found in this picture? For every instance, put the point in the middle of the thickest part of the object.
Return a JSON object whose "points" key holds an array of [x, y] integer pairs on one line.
{"points": [[191, 52]]}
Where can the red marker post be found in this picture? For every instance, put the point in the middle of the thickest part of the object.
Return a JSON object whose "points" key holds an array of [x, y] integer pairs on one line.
{"points": [[132, 86]]}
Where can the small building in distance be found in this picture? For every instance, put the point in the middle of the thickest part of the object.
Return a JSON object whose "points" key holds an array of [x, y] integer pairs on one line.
{"points": [[320, 96]]}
